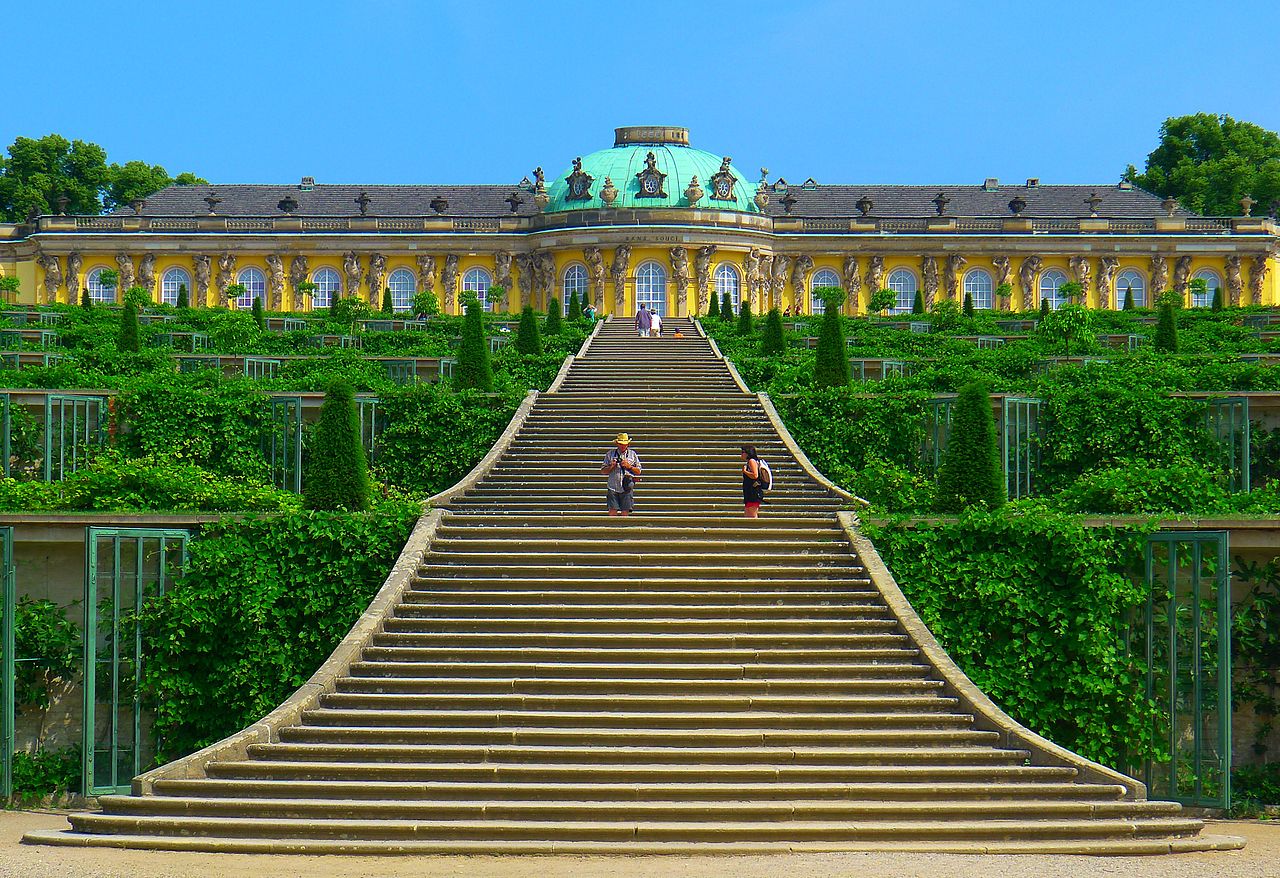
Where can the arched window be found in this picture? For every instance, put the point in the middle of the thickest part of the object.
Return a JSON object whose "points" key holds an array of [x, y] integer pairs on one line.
{"points": [[403, 285], [97, 292], [478, 281], [903, 282], [1131, 280], [255, 287], [171, 282], [978, 286], [651, 287], [575, 281], [1051, 282], [728, 283], [1212, 283], [823, 277], [328, 287]]}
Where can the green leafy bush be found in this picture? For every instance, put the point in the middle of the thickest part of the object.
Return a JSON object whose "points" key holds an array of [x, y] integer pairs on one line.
{"points": [[337, 474], [555, 321], [474, 370], [128, 342], [744, 317], [971, 473], [772, 343], [832, 365], [528, 336], [46, 772], [1167, 330]]}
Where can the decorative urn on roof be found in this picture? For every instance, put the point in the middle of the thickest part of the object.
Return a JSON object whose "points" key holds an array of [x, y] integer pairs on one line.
{"points": [[1170, 205], [693, 192], [1017, 204], [762, 195], [864, 205], [540, 197], [609, 193]]}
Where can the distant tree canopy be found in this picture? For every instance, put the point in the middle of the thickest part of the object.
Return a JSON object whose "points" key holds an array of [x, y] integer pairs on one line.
{"points": [[36, 172], [1210, 162]]}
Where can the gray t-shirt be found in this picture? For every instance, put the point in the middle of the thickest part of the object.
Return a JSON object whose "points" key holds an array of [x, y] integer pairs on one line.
{"points": [[615, 477]]}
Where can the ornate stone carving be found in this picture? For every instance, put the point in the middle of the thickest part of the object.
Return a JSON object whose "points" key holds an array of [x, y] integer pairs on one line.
{"points": [[1081, 269], [1108, 268], [1259, 265], [544, 273], [1159, 276], [799, 272], [128, 278], [781, 268], [426, 272], [147, 273], [702, 269], [203, 270], [449, 282], [929, 280], [351, 271], [764, 282], [525, 276], [502, 273], [693, 192], [722, 182], [1028, 274], [75, 262], [579, 183], [275, 283], [619, 268], [226, 276], [955, 262], [652, 182], [875, 273], [751, 273], [376, 278], [1235, 283], [595, 270], [852, 276], [298, 271], [608, 194], [679, 276], [1182, 275], [52, 276], [1004, 272]]}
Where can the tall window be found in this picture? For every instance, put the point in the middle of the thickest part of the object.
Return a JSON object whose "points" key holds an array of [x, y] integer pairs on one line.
{"points": [[328, 287], [903, 282], [255, 287], [478, 281], [97, 292], [170, 283], [403, 285], [823, 277], [651, 287], [1051, 283], [728, 283], [1211, 285], [977, 284], [575, 281], [1131, 280]]}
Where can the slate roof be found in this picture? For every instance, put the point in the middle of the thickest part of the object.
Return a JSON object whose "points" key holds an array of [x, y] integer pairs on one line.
{"points": [[330, 200]]}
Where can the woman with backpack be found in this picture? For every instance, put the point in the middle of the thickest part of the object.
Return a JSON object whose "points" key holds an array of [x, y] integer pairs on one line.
{"points": [[756, 479]]}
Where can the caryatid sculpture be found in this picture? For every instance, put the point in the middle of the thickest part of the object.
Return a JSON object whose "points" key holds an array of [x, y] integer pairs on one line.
{"points": [[1235, 282], [621, 263], [75, 262], [1108, 268], [544, 274], [502, 261], [702, 270], [929, 280], [426, 273], [679, 277], [449, 282], [799, 274], [1259, 265], [226, 276], [351, 272], [1004, 273], [764, 282], [751, 273], [955, 262], [875, 274], [594, 258], [1081, 270], [1159, 275], [525, 271], [1028, 274], [781, 270], [275, 282], [1182, 275], [298, 271], [376, 278], [203, 271], [852, 277], [52, 276], [128, 279], [147, 273]]}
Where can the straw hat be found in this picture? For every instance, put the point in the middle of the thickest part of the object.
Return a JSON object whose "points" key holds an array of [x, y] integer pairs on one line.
{"points": [[623, 439]]}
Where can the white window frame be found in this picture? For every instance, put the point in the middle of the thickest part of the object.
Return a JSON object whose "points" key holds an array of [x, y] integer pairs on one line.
{"points": [[1050, 285], [174, 277], [651, 287], [254, 280], [97, 292], [402, 297], [905, 284], [816, 305], [328, 286], [1139, 291], [478, 280], [727, 279], [980, 287], [1213, 282], [574, 280]]}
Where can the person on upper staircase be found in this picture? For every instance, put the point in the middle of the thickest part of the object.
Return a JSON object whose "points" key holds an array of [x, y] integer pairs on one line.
{"points": [[655, 322], [756, 479], [622, 466], [644, 321]]}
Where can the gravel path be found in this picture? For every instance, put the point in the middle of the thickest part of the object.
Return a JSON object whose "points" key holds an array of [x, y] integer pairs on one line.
{"points": [[1260, 859]]}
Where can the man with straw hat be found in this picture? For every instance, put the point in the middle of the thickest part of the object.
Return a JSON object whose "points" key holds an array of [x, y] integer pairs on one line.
{"points": [[622, 466]]}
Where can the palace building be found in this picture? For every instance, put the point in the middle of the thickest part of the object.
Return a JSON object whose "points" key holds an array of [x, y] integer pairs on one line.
{"points": [[649, 220]]}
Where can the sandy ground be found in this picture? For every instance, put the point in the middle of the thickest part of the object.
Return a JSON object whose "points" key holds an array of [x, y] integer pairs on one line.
{"points": [[1260, 859]]}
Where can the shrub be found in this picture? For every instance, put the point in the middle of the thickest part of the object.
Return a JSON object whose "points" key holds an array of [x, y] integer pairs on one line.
{"points": [[528, 337], [258, 317], [348, 310], [1067, 324], [1138, 487], [474, 371], [917, 304], [1128, 298], [726, 306], [575, 306], [882, 300], [967, 310], [139, 296], [46, 772], [832, 364], [388, 304], [86, 301], [183, 299], [554, 318], [744, 318], [713, 307], [1217, 300], [128, 341], [1044, 308], [9, 286], [425, 303], [337, 475], [970, 474], [772, 343], [1166, 339]]}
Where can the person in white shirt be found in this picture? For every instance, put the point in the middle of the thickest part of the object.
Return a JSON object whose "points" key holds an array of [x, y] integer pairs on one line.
{"points": [[655, 325]]}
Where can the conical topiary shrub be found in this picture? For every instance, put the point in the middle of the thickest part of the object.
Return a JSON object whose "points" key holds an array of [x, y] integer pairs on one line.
{"points": [[773, 344], [970, 473], [554, 318], [713, 309], [831, 368], [967, 308], [1044, 307], [183, 299], [1167, 330], [528, 338], [1128, 298], [1217, 300], [128, 340], [474, 368], [744, 318], [575, 307], [86, 301], [726, 306], [258, 317], [388, 306], [337, 474], [917, 304]]}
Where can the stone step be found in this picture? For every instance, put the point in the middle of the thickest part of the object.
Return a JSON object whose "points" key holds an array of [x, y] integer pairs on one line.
{"points": [[532, 610], [402, 634], [852, 587], [637, 600], [832, 688], [676, 656], [673, 625], [623, 702]]}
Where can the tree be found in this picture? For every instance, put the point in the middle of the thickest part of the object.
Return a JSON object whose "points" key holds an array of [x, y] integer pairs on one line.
{"points": [[967, 309], [554, 319], [832, 363], [726, 306], [183, 299], [1208, 163], [425, 303], [528, 339], [128, 339], [744, 318], [882, 300], [139, 296], [388, 305], [1067, 324], [1003, 292], [9, 286], [917, 304], [1217, 300], [1167, 329], [1044, 308], [86, 301], [108, 278], [575, 307], [337, 473], [1197, 290], [970, 473], [474, 369], [1128, 297], [138, 180], [258, 316], [713, 308], [772, 343]]}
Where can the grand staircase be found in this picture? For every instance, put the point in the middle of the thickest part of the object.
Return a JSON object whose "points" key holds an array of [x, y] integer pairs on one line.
{"points": [[683, 680]]}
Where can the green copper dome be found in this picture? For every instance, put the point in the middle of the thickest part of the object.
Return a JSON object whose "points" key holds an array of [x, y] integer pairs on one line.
{"points": [[660, 181]]}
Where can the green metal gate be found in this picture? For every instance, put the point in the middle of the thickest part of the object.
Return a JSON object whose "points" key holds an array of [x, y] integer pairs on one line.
{"points": [[8, 663], [74, 427], [937, 427], [124, 568], [1020, 444], [372, 420], [1184, 640], [283, 443], [1228, 421], [6, 430]]}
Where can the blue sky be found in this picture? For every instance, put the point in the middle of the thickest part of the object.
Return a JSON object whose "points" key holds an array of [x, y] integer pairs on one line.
{"points": [[481, 92]]}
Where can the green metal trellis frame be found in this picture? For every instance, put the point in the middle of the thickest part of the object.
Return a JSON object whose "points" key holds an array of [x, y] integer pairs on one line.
{"points": [[74, 427], [124, 567], [1227, 419], [937, 427], [372, 420], [283, 443], [6, 438], [8, 661], [1020, 444]]}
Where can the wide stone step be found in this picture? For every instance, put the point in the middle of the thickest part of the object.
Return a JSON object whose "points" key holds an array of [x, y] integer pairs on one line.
{"points": [[830, 688], [675, 625], [623, 702], [632, 640], [638, 600], [677, 657], [856, 586], [704, 576], [594, 613], [726, 564]]}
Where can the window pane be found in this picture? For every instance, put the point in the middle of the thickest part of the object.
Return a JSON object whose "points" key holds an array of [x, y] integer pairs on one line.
{"points": [[903, 282], [823, 278], [255, 287], [328, 286], [402, 285], [477, 281], [173, 279], [978, 285], [728, 282]]}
